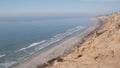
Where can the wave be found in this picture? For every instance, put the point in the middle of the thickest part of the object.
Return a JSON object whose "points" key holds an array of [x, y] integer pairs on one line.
{"points": [[69, 32], [2, 55], [54, 39], [59, 37], [7, 64], [32, 45]]}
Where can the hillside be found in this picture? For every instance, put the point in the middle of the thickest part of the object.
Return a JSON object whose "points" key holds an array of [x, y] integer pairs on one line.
{"points": [[101, 49]]}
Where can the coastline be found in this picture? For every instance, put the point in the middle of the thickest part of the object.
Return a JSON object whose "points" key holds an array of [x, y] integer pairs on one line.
{"points": [[61, 49], [100, 49]]}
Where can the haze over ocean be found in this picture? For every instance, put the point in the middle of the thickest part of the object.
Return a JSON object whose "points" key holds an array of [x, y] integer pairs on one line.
{"points": [[59, 7]]}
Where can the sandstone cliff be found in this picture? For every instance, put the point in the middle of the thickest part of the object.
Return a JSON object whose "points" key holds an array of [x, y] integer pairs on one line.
{"points": [[101, 49]]}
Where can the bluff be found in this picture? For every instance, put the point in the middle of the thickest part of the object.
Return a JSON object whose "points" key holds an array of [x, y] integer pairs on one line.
{"points": [[101, 49]]}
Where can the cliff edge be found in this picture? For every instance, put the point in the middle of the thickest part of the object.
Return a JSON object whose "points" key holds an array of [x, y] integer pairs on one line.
{"points": [[101, 49]]}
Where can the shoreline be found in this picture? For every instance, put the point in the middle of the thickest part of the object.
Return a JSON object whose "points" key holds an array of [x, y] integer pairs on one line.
{"points": [[99, 50], [67, 46]]}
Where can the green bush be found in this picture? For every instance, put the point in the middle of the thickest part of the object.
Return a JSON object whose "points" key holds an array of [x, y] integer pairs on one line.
{"points": [[58, 59]]}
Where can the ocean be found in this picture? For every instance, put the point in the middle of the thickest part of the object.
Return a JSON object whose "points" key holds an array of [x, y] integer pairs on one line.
{"points": [[22, 38]]}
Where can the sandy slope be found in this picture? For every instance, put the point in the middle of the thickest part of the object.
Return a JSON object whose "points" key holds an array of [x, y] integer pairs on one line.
{"points": [[100, 50]]}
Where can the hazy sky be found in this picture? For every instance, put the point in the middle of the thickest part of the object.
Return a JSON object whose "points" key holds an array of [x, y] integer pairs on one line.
{"points": [[32, 7]]}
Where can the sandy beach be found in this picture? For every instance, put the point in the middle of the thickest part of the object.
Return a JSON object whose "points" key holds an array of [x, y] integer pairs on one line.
{"points": [[61, 49]]}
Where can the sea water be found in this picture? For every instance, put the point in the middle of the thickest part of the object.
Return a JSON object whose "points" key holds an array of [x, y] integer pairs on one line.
{"points": [[22, 38]]}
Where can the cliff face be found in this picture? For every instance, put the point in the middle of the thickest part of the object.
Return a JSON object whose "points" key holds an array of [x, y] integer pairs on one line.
{"points": [[100, 50]]}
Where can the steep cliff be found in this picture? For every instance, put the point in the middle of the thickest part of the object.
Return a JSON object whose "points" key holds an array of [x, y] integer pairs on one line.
{"points": [[101, 49]]}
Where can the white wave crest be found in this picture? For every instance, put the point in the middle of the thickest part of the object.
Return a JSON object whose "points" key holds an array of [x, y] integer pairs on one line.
{"points": [[69, 32], [54, 39], [32, 45], [2, 55], [7, 64]]}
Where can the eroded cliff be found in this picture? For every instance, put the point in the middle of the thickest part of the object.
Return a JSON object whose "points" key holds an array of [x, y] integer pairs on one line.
{"points": [[101, 49]]}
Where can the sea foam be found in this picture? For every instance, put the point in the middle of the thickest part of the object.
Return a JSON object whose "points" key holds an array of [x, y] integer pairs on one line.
{"points": [[2, 55], [32, 45]]}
